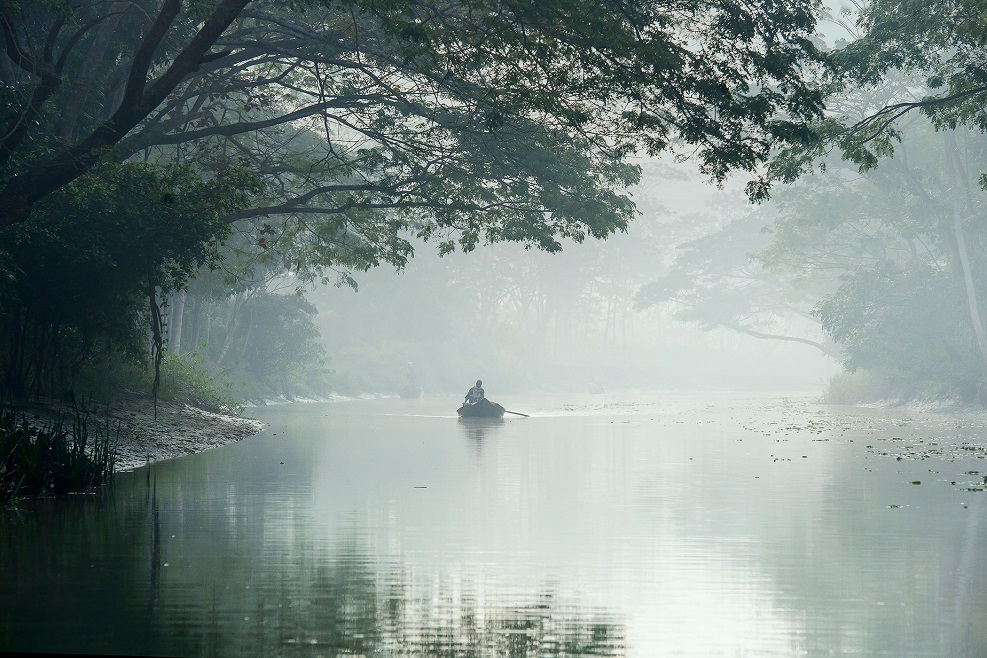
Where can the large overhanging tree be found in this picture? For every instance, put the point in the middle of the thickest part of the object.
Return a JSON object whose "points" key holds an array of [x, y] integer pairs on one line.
{"points": [[915, 57], [370, 121]]}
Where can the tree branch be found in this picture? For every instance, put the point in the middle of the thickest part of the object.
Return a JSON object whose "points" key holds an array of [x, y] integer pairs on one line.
{"points": [[891, 113], [192, 56], [25, 189], [145, 53], [18, 55], [145, 140], [825, 349]]}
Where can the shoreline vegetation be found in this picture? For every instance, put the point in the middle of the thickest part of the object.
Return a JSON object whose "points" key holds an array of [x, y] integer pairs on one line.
{"points": [[51, 459], [115, 428], [53, 447], [862, 388]]}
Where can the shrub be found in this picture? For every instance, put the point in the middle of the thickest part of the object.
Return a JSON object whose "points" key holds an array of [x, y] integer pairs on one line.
{"points": [[48, 459], [854, 387], [188, 379]]}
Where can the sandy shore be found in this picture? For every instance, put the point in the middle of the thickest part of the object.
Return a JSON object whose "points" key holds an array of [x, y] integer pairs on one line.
{"points": [[140, 437]]}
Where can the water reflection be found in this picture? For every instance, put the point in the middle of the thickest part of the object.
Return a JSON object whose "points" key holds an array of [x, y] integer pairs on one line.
{"points": [[700, 529], [353, 605], [477, 430], [71, 572], [90, 576]]}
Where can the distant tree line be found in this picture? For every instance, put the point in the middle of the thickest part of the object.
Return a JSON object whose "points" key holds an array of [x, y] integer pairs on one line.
{"points": [[877, 250]]}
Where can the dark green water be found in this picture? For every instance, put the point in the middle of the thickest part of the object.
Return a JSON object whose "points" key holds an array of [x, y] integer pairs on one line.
{"points": [[601, 526]]}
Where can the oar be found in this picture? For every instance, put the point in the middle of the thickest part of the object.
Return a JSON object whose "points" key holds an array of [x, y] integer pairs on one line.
{"points": [[516, 412]]}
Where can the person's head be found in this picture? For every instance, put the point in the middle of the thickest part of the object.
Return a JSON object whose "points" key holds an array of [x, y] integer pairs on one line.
{"points": [[479, 383]]}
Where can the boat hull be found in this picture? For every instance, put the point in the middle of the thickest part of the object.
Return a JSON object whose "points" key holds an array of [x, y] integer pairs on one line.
{"points": [[482, 409]]}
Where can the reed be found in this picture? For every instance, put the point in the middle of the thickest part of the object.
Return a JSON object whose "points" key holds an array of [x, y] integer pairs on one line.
{"points": [[50, 459]]}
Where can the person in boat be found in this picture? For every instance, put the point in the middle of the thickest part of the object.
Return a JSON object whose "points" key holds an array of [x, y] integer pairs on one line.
{"points": [[475, 394]]}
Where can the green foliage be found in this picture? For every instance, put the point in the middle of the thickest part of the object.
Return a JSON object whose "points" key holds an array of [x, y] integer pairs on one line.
{"points": [[188, 378], [937, 47], [110, 371], [903, 308], [371, 124], [95, 249], [854, 387], [272, 347], [724, 281], [874, 254], [478, 121], [49, 459], [907, 324]]}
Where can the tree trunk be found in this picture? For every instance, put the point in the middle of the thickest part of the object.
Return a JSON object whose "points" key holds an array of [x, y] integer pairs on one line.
{"points": [[195, 328], [961, 252], [177, 320], [232, 326]]}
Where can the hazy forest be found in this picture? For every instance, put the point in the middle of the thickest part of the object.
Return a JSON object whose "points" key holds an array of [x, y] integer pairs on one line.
{"points": [[234, 200]]}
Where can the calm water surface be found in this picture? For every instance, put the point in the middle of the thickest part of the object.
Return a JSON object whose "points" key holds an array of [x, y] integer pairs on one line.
{"points": [[645, 525]]}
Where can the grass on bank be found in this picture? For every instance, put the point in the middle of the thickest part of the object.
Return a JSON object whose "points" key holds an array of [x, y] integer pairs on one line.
{"points": [[856, 387], [187, 378], [864, 386], [50, 459]]}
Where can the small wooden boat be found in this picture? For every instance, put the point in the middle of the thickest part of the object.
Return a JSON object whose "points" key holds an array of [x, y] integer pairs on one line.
{"points": [[482, 409]]}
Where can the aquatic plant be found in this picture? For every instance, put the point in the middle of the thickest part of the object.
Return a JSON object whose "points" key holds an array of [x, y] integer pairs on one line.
{"points": [[49, 459]]}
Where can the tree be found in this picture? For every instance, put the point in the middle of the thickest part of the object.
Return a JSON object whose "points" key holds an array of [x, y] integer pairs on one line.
{"points": [[371, 120], [941, 42], [907, 325], [725, 280], [905, 247], [930, 56], [92, 262]]}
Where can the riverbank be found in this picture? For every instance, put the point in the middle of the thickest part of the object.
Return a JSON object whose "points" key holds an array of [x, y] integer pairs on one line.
{"points": [[140, 436]]}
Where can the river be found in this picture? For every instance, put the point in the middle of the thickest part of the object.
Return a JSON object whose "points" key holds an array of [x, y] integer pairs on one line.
{"points": [[644, 525]]}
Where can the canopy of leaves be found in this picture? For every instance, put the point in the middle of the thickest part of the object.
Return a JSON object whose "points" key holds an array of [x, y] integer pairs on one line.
{"points": [[371, 121], [926, 56], [721, 280], [95, 248], [888, 238], [277, 348], [908, 325]]}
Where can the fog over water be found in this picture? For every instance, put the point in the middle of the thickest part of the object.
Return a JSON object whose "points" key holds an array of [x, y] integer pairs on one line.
{"points": [[639, 526], [525, 320], [733, 429]]}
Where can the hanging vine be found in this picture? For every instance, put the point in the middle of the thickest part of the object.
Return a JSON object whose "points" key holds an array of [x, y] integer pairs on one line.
{"points": [[157, 344]]}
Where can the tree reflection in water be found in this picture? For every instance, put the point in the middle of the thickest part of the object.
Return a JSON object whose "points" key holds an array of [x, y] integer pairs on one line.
{"points": [[353, 605], [98, 576]]}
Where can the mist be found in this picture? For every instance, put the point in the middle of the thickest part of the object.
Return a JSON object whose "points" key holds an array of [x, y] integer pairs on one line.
{"points": [[720, 266], [523, 320]]}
